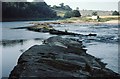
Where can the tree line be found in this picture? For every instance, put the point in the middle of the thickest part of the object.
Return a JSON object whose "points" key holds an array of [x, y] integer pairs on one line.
{"points": [[62, 7], [11, 10], [73, 13]]}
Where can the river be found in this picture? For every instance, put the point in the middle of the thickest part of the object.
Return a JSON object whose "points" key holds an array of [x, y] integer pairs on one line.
{"points": [[16, 41]]}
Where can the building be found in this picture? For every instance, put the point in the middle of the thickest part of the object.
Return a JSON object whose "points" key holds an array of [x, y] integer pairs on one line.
{"points": [[95, 17]]}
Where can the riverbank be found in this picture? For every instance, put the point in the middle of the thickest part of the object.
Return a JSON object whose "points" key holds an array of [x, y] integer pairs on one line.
{"points": [[89, 20], [60, 57], [84, 19]]}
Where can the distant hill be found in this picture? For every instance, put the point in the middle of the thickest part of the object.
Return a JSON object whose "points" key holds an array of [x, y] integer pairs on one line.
{"points": [[100, 13], [26, 11], [61, 11]]}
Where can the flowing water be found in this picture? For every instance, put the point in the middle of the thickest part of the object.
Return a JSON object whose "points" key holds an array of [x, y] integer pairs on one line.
{"points": [[16, 41]]}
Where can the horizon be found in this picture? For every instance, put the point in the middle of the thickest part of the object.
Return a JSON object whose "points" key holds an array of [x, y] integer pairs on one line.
{"points": [[88, 5], [107, 5]]}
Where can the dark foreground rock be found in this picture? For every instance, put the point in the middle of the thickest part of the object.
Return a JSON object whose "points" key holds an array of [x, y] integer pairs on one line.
{"points": [[60, 58]]}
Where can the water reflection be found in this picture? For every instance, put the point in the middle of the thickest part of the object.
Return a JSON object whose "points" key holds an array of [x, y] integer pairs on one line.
{"points": [[108, 52], [12, 49], [11, 43]]}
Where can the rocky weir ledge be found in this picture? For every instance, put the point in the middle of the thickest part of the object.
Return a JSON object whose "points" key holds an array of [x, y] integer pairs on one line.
{"points": [[60, 58], [48, 28]]}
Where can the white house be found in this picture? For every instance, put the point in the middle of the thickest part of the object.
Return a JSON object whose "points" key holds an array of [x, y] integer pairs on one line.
{"points": [[95, 17]]}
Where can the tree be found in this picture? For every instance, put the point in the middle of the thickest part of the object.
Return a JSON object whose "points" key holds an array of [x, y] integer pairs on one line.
{"points": [[68, 14], [54, 6], [94, 14], [115, 13], [67, 7], [26, 10], [77, 8], [76, 13], [62, 5]]}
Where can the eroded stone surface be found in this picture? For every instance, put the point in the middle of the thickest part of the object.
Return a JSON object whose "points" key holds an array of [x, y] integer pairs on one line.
{"points": [[59, 57]]}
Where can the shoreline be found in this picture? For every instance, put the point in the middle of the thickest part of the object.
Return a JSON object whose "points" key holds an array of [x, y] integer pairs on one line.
{"points": [[70, 20], [93, 22]]}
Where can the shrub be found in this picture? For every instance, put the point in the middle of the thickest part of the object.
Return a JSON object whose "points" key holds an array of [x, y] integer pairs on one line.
{"points": [[94, 13], [115, 13], [68, 14], [74, 13]]}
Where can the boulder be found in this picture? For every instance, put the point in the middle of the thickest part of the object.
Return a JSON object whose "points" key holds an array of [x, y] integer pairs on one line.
{"points": [[59, 58]]}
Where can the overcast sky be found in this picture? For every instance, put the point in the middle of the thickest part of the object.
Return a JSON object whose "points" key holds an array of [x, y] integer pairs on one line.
{"points": [[89, 5], [106, 5]]}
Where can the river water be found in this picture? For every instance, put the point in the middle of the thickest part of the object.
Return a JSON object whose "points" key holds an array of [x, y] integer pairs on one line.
{"points": [[16, 41]]}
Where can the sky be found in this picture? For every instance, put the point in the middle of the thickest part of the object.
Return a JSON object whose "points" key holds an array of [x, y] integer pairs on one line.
{"points": [[106, 5]]}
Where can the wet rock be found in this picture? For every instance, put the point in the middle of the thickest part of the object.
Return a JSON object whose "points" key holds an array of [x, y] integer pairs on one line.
{"points": [[40, 28], [91, 34], [47, 27], [59, 57], [57, 32]]}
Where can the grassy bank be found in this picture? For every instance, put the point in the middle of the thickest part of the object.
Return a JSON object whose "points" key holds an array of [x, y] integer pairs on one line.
{"points": [[101, 19]]}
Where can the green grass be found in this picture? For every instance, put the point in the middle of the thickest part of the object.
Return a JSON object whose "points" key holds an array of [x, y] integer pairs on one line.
{"points": [[85, 19], [82, 19], [107, 19]]}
